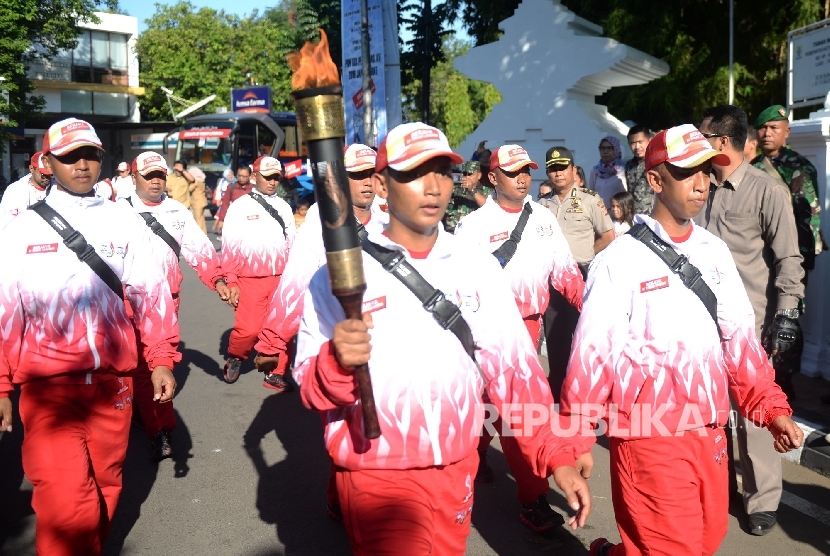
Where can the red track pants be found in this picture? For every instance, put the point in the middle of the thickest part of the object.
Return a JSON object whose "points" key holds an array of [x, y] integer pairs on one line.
{"points": [[670, 493], [254, 297], [74, 445], [417, 512], [529, 485], [156, 416]]}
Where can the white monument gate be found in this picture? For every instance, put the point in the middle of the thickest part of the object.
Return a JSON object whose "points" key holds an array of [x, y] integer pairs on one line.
{"points": [[549, 66]]}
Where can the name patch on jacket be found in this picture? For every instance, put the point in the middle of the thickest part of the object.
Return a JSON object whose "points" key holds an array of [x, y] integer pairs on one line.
{"points": [[499, 237], [253, 217], [656, 284], [42, 248], [376, 304]]}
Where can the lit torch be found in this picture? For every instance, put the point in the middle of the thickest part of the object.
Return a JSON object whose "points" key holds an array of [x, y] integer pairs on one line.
{"points": [[318, 97]]}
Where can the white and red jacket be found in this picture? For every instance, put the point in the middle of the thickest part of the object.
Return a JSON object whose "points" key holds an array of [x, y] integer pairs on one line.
{"points": [[253, 243], [196, 248], [19, 196], [542, 256], [427, 389], [57, 317], [307, 255], [646, 345]]}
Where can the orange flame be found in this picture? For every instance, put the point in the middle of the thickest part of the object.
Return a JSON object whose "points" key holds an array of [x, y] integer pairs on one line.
{"points": [[313, 66]]}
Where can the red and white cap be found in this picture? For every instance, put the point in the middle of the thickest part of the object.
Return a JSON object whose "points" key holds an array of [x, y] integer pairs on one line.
{"points": [[511, 158], [683, 146], [410, 145], [37, 162], [267, 166], [122, 166], [359, 157], [149, 161], [68, 135]]}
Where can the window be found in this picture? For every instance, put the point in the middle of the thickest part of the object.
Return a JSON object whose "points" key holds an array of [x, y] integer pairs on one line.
{"points": [[100, 57]]}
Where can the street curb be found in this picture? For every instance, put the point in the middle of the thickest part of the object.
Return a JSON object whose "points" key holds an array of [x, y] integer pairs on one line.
{"points": [[815, 453]]}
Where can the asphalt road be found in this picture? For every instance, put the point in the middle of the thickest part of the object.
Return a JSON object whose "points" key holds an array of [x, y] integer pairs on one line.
{"points": [[249, 474]]}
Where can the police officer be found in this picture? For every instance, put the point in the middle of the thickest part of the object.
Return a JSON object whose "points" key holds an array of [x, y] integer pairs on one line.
{"points": [[588, 228]]}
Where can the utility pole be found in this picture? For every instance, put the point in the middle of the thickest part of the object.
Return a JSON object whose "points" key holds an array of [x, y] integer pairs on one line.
{"points": [[731, 51], [368, 132], [425, 78]]}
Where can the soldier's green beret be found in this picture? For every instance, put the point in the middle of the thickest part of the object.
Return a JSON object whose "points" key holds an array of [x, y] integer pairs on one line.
{"points": [[470, 166], [774, 113]]}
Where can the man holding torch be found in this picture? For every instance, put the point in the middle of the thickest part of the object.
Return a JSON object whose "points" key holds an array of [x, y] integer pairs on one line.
{"points": [[413, 486]]}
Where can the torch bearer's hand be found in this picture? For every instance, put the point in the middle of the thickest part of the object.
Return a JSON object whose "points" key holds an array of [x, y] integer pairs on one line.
{"points": [[352, 342]]}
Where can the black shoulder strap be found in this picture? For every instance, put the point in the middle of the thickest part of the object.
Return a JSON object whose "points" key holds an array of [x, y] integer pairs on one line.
{"points": [[447, 315], [362, 233], [159, 230], [504, 253], [688, 273], [77, 243], [274, 214]]}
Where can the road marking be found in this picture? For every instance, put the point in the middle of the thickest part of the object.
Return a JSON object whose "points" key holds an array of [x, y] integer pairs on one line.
{"points": [[797, 503]]}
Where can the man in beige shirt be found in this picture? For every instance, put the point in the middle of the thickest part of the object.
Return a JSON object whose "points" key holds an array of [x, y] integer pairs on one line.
{"points": [[588, 229], [752, 214], [178, 183], [198, 197]]}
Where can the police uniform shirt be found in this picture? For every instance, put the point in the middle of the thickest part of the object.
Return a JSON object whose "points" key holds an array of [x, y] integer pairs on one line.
{"points": [[582, 215]]}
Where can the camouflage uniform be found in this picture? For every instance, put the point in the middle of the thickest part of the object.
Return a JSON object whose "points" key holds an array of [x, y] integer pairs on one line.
{"points": [[635, 176], [801, 177], [462, 203]]}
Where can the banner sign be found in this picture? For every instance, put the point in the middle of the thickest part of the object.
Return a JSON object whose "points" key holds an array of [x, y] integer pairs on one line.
{"points": [[204, 133], [352, 77], [809, 65], [293, 168], [251, 99]]}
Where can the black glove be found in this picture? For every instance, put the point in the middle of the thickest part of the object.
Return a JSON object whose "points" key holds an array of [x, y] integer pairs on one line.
{"points": [[782, 334]]}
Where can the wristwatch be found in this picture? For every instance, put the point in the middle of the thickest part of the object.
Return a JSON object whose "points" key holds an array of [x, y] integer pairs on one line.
{"points": [[790, 313], [222, 280]]}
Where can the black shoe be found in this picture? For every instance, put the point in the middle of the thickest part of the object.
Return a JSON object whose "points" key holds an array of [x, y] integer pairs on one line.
{"points": [[335, 512], [539, 516], [161, 448], [232, 367], [825, 399], [485, 472], [277, 382], [761, 523]]}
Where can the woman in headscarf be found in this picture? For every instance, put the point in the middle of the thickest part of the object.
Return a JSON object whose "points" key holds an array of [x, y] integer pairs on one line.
{"points": [[608, 176]]}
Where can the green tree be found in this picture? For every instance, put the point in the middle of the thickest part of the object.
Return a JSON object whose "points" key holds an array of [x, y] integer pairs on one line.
{"points": [[29, 25], [457, 104], [214, 52]]}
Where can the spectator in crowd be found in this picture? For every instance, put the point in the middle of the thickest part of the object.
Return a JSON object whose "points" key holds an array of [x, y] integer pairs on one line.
{"points": [[622, 212], [751, 147], [584, 221], [198, 197], [299, 216], [545, 190], [242, 186], [608, 176], [122, 183], [579, 176], [178, 183], [635, 170], [752, 214]]}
